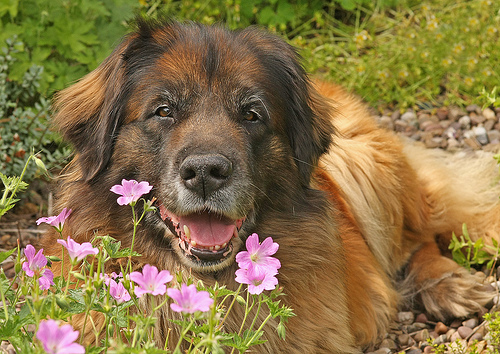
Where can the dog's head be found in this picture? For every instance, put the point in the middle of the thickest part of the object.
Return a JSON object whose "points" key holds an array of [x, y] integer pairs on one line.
{"points": [[217, 121]]}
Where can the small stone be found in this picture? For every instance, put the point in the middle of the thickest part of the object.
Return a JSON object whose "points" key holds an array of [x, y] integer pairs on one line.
{"points": [[405, 317], [455, 113], [455, 336], [386, 122], [493, 136], [473, 108], [489, 114], [400, 125], [489, 124], [422, 336], [450, 333], [5, 238], [476, 336], [471, 323], [464, 332], [382, 351], [453, 145], [395, 115], [404, 339], [476, 118], [480, 134], [388, 343], [472, 143], [465, 122], [441, 339], [414, 351], [409, 116], [441, 328], [428, 349], [421, 318], [442, 113]]}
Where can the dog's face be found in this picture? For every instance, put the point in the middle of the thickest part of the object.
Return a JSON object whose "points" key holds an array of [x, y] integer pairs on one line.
{"points": [[217, 121]]}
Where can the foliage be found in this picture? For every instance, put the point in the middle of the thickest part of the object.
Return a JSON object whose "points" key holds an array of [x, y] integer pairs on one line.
{"points": [[435, 52], [15, 184], [470, 253], [24, 118], [68, 38]]}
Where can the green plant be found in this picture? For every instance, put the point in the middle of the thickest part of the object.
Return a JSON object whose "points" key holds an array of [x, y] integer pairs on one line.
{"points": [[15, 184], [24, 116], [470, 253]]}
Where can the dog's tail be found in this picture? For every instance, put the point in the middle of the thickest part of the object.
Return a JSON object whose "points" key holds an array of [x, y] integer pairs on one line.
{"points": [[462, 188]]}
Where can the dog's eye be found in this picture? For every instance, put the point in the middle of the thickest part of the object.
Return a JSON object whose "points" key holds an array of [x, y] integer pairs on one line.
{"points": [[250, 116], [163, 111]]}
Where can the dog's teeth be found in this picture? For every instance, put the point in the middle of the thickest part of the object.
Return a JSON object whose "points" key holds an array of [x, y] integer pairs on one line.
{"points": [[224, 245], [193, 243], [217, 247], [211, 248], [187, 231]]}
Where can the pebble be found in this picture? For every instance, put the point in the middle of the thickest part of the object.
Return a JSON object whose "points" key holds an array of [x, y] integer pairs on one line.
{"points": [[488, 113], [440, 328], [471, 323], [464, 331], [405, 317]]}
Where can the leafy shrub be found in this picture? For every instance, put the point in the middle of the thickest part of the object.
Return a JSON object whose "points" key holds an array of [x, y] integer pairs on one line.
{"points": [[24, 115]]}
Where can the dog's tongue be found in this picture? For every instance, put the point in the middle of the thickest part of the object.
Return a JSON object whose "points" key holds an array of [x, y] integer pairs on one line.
{"points": [[208, 229]]}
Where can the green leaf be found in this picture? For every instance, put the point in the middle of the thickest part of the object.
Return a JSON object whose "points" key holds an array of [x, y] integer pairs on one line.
{"points": [[4, 255]]}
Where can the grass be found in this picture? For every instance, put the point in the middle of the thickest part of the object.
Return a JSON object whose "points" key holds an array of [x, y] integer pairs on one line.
{"points": [[438, 53]]}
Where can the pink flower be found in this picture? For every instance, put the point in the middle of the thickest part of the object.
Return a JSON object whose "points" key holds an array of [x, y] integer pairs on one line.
{"points": [[118, 291], [56, 221], [189, 299], [33, 266], [58, 340], [259, 255], [150, 281], [130, 191], [258, 279], [78, 251]]}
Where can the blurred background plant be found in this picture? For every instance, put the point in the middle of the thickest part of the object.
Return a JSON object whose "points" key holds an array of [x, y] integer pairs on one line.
{"points": [[397, 54]]}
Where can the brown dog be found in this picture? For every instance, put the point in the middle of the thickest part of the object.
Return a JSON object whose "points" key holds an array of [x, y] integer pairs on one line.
{"points": [[235, 139]]}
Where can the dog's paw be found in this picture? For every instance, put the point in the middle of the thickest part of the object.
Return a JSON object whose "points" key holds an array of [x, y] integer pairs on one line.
{"points": [[456, 294]]}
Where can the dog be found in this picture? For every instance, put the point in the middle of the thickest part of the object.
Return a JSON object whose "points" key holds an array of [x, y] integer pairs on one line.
{"points": [[236, 139]]}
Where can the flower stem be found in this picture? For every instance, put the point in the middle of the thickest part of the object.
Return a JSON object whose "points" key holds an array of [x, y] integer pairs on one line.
{"points": [[230, 307], [183, 333]]}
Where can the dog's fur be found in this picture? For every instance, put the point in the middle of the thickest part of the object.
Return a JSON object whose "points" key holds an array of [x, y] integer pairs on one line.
{"points": [[356, 210]]}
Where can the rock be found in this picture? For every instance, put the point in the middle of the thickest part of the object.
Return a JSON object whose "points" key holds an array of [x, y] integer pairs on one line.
{"points": [[476, 118], [386, 122], [422, 336], [465, 122], [395, 115], [489, 114], [388, 343], [409, 116], [404, 339], [382, 351], [421, 318], [493, 136], [414, 351], [476, 336], [450, 334], [473, 108], [405, 317], [455, 113], [400, 125], [471, 323], [480, 133], [464, 331], [489, 124], [442, 113], [441, 328]]}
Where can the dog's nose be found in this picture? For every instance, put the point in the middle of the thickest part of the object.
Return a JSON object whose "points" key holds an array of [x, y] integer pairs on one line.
{"points": [[205, 173]]}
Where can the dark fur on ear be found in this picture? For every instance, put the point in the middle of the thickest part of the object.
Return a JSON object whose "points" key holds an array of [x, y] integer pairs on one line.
{"points": [[308, 115], [89, 113]]}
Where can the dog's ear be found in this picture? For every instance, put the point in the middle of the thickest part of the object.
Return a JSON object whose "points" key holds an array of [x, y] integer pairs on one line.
{"points": [[307, 115], [89, 112]]}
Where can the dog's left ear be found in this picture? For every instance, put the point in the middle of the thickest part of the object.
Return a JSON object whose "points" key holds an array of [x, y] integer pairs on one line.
{"points": [[88, 113], [307, 114]]}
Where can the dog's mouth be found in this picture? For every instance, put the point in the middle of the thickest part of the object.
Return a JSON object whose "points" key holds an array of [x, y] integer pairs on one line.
{"points": [[204, 237]]}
